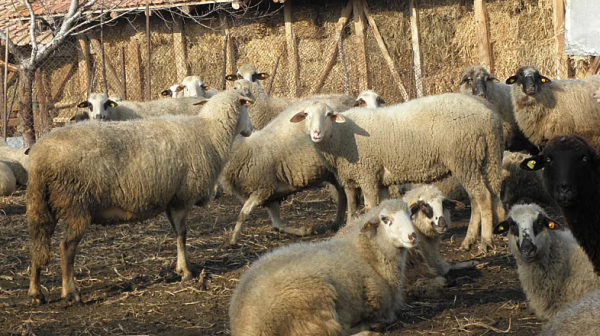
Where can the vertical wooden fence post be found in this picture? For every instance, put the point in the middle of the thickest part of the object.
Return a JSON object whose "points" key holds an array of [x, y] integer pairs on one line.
{"points": [[136, 70], [562, 61], [482, 23], [416, 44], [179, 48], [5, 91], [148, 53], [123, 74], [364, 82], [292, 49], [83, 68]]}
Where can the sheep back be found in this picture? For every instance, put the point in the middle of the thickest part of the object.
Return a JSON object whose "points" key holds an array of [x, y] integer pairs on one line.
{"points": [[8, 182]]}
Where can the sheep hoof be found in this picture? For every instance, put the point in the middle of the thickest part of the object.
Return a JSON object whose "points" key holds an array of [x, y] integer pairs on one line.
{"points": [[186, 276], [467, 243], [72, 299], [486, 245], [38, 300]]}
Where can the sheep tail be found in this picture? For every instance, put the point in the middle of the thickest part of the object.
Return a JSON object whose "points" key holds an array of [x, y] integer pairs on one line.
{"points": [[40, 220]]}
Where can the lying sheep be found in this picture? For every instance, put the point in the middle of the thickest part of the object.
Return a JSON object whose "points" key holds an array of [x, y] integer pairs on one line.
{"points": [[369, 99], [545, 109], [553, 269], [248, 72], [111, 173], [16, 160], [419, 141], [100, 107], [8, 182], [572, 177], [477, 81], [273, 163], [190, 86], [332, 287], [580, 319]]}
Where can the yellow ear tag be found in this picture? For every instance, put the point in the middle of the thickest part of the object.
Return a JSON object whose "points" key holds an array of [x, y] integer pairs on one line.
{"points": [[543, 80], [501, 228], [551, 225], [531, 164]]}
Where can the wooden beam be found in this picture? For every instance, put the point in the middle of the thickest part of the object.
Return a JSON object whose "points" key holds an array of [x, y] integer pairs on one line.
{"points": [[386, 55], [482, 24], [148, 95], [416, 44], [111, 73], [562, 61], [229, 52], [11, 67], [123, 74], [594, 66], [292, 48], [84, 66], [179, 48], [364, 82], [136, 91], [331, 57]]}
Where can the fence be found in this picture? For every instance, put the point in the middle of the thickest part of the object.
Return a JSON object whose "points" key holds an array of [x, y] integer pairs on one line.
{"points": [[138, 66]]}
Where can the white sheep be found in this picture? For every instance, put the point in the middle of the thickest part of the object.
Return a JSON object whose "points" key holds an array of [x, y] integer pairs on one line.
{"points": [[123, 172], [249, 73], [369, 99], [174, 91], [419, 141], [579, 319], [477, 81], [273, 163], [545, 108], [553, 269], [8, 182], [332, 287], [190, 86], [17, 160]]}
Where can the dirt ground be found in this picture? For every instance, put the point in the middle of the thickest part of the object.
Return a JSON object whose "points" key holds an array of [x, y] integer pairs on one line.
{"points": [[126, 277]]}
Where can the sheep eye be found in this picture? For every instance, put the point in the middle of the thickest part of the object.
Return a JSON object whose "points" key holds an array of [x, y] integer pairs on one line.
{"points": [[548, 159], [386, 220], [584, 159]]}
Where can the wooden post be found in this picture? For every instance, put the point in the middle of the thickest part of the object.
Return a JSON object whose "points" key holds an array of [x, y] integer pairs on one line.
{"points": [[179, 48], [416, 44], [108, 72], [83, 68], [148, 53], [385, 52], [292, 49], [103, 58], [224, 67], [123, 74], [330, 60], [137, 90], [5, 91], [562, 61], [42, 122], [229, 53], [364, 82], [482, 24], [273, 74]]}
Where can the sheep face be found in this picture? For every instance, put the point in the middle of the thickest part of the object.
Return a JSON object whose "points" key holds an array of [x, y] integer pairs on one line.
{"points": [[432, 216], [369, 99], [249, 73], [97, 105], [172, 91], [530, 80], [319, 119], [571, 166], [474, 81], [526, 226], [244, 125], [393, 226], [193, 86]]}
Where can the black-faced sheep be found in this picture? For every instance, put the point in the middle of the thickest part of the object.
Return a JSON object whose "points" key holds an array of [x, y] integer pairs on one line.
{"points": [[553, 269], [572, 177], [110, 173], [333, 287]]}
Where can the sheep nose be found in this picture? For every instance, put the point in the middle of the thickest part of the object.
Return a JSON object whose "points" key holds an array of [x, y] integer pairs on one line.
{"points": [[563, 188], [412, 237]]}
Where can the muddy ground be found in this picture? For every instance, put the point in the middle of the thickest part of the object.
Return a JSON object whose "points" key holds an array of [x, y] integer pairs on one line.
{"points": [[127, 281]]}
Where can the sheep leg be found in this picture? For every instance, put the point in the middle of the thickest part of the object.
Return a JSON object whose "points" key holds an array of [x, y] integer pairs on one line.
{"points": [[68, 247], [474, 223], [371, 196], [351, 199], [250, 204], [487, 221], [177, 218], [461, 265], [342, 204], [273, 210]]}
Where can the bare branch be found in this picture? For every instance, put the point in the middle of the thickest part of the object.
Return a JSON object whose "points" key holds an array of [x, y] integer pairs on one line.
{"points": [[11, 46], [34, 45]]}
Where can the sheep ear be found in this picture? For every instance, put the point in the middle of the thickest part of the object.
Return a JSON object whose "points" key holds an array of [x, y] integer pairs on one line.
{"points": [[338, 118], [262, 76], [452, 204], [202, 102], [27, 151], [511, 80], [207, 88], [180, 88], [502, 227], [492, 78], [359, 102], [84, 104], [231, 78], [545, 80], [414, 208], [463, 80], [245, 101], [380, 100], [532, 163], [298, 117], [372, 224], [166, 93]]}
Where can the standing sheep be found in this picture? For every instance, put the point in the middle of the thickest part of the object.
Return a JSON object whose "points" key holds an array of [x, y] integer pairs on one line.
{"points": [[190, 86], [8, 182], [572, 178], [332, 287], [17, 160], [580, 319], [545, 109], [111, 173], [369, 99], [419, 141], [273, 163], [553, 269], [477, 81]]}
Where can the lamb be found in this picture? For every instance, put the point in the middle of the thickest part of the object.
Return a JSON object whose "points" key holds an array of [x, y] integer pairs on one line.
{"points": [[273, 163], [477, 81], [190, 86], [16, 160], [545, 109], [580, 319], [332, 287], [103, 108], [110, 173], [8, 182], [553, 269], [572, 177], [369, 99], [419, 141], [249, 73]]}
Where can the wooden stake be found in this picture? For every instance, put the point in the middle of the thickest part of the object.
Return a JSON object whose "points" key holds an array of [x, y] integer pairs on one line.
{"points": [[179, 48], [273, 74], [148, 53], [416, 44], [104, 80], [83, 68], [292, 50], [482, 22], [330, 60], [229, 54], [562, 61], [137, 90], [359, 29], [5, 91], [385, 52], [123, 74]]}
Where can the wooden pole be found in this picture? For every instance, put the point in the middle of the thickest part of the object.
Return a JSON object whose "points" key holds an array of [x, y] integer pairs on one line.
{"points": [[342, 60], [108, 70], [292, 49], [104, 80], [43, 122], [482, 23], [562, 61], [273, 74], [137, 90], [330, 60], [228, 52], [385, 52], [416, 44], [179, 48], [224, 67], [5, 89], [359, 28], [123, 74], [83, 68], [148, 53]]}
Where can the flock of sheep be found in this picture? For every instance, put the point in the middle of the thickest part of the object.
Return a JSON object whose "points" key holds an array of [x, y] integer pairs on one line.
{"points": [[169, 155]]}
